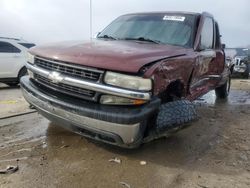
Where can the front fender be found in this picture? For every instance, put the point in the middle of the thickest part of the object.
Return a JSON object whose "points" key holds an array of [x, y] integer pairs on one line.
{"points": [[168, 71]]}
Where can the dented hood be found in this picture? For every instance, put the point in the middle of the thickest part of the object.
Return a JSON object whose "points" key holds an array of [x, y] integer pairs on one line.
{"points": [[116, 55]]}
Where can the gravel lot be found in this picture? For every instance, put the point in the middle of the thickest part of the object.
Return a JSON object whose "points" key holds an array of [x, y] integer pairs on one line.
{"points": [[213, 152]]}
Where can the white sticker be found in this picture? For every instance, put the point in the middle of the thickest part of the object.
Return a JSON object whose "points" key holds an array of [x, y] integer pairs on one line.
{"points": [[174, 18]]}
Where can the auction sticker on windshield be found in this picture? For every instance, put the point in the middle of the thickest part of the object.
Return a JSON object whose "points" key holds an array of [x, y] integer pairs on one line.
{"points": [[174, 18]]}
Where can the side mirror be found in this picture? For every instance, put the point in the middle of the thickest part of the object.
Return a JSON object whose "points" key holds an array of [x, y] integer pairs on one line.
{"points": [[223, 46], [97, 34]]}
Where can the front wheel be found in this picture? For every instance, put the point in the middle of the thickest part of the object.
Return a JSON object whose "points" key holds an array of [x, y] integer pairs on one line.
{"points": [[174, 114], [21, 73], [223, 91]]}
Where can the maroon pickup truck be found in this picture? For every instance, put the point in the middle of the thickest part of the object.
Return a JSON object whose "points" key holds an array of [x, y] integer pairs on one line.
{"points": [[132, 81]]}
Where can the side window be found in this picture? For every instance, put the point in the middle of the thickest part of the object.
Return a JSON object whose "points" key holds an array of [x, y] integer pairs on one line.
{"points": [[6, 47], [27, 45], [207, 34]]}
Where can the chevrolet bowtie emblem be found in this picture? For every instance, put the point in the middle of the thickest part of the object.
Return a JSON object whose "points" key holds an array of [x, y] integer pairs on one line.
{"points": [[55, 77]]}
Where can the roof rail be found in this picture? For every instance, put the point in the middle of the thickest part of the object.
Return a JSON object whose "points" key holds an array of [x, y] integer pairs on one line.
{"points": [[9, 38]]}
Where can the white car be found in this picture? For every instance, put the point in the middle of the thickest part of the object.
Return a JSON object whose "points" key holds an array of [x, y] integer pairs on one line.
{"points": [[13, 54]]}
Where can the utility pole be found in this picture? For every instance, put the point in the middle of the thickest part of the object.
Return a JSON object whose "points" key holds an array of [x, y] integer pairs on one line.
{"points": [[90, 16]]}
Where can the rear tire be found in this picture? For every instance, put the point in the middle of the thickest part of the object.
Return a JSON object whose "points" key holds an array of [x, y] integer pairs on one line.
{"points": [[223, 91]]}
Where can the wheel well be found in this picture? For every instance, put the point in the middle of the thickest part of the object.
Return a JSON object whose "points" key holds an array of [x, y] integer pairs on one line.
{"points": [[23, 68], [173, 91], [20, 72]]}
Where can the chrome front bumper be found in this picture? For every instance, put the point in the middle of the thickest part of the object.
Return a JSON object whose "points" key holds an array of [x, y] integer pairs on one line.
{"points": [[113, 125]]}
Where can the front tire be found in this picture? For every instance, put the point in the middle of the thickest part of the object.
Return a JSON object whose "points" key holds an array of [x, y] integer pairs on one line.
{"points": [[175, 113]]}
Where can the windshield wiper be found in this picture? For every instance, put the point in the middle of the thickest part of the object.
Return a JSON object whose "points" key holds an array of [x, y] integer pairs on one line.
{"points": [[143, 39], [107, 37]]}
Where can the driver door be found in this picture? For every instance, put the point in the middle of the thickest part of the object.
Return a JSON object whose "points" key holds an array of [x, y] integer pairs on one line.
{"points": [[206, 56]]}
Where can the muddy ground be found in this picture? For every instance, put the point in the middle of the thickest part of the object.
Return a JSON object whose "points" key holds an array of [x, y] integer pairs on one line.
{"points": [[213, 152], [12, 101]]}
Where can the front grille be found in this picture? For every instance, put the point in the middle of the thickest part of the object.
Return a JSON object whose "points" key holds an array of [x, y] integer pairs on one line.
{"points": [[66, 89], [70, 70], [83, 73]]}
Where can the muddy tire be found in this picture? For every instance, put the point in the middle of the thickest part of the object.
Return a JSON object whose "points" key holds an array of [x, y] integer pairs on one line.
{"points": [[223, 91], [175, 113]]}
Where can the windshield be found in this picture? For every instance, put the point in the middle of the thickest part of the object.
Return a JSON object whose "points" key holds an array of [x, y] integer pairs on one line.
{"points": [[158, 28]]}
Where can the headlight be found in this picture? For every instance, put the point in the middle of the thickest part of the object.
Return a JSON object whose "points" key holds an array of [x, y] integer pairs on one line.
{"points": [[114, 100], [129, 82], [30, 58]]}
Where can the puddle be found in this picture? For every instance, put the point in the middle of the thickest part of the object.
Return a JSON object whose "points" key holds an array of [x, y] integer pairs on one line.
{"points": [[47, 152], [236, 97]]}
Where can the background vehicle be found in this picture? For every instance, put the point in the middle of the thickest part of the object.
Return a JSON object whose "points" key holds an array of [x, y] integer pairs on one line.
{"points": [[230, 54], [242, 65], [240, 59], [133, 81], [13, 54]]}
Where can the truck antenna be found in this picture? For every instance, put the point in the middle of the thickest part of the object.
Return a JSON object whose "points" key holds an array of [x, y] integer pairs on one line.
{"points": [[90, 16]]}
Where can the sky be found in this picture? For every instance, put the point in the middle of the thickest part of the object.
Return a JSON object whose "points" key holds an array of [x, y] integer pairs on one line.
{"points": [[47, 21]]}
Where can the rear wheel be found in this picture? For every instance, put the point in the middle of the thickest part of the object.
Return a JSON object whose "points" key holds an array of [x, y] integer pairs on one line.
{"points": [[246, 73], [223, 91]]}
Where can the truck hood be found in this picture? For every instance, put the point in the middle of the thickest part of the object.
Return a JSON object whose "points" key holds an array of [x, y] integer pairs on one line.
{"points": [[116, 55]]}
